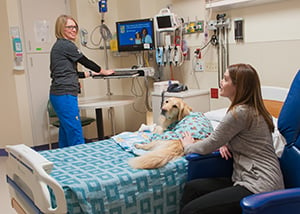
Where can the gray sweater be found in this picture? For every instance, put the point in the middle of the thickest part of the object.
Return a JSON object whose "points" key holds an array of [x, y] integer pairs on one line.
{"points": [[255, 164]]}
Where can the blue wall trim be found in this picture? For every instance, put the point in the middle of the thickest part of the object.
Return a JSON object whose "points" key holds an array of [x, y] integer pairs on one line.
{"points": [[3, 152]]}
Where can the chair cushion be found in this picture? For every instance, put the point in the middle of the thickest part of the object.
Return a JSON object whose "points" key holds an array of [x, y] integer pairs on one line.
{"points": [[56, 123], [84, 121]]}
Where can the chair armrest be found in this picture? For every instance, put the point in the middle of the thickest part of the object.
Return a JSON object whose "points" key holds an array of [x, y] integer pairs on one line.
{"points": [[195, 156], [207, 166], [279, 202]]}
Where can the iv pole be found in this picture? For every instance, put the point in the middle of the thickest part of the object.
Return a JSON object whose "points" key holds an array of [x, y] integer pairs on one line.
{"points": [[106, 36], [222, 25]]}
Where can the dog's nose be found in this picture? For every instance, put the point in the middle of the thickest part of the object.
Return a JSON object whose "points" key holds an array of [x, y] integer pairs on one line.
{"points": [[163, 111]]}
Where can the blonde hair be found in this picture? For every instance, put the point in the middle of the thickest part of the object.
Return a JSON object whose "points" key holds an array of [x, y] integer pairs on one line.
{"points": [[60, 24], [248, 90]]}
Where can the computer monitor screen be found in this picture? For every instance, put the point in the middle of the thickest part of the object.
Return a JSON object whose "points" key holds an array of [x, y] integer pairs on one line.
{"points": [[135, 35]]}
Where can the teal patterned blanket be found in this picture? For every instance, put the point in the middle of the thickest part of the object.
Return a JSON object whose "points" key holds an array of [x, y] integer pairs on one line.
{"points": [[196, 123], [97, 179]]}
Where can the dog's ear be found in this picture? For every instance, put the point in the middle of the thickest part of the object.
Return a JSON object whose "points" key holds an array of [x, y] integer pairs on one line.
{"points": [[184, 111]]}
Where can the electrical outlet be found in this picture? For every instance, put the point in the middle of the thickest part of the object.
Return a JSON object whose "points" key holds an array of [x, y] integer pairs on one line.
{"points": [[211, 67]]}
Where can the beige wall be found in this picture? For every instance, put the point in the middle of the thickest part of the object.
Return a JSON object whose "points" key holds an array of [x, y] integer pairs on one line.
{"points": [[10, 119], [271, 42], [272, 38]]}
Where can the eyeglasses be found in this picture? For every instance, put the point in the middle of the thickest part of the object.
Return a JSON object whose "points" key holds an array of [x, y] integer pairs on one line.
{"points": [[72, 27]]}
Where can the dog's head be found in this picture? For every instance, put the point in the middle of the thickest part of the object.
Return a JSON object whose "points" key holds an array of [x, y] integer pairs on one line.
{"points": [[174, 109]]}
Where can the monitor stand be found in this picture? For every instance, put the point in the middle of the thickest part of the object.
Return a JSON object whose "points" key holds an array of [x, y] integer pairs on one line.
{"points": [[139, 59]]}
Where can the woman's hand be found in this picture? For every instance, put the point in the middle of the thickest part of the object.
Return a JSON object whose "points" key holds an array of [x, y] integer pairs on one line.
{"points": [[187, 139], [106, 72], [225, 153]]}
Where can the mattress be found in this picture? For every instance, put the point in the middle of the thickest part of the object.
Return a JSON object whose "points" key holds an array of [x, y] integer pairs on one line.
{"points": [[97, 179]]}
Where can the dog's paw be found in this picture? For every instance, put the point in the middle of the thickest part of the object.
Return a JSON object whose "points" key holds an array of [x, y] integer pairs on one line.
{"points": [[138, 146], [158, 130], [147, 128]]}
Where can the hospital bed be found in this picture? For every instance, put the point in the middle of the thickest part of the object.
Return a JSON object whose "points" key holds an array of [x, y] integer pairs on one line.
{"points": [[95, 177]]}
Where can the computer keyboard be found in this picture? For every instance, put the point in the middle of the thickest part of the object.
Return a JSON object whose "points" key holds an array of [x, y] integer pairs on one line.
{"points": [[125, 71], [119, 73]]}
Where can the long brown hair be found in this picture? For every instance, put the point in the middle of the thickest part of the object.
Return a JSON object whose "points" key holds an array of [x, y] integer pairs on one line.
{"points": [[248, 90], [60, 24]]}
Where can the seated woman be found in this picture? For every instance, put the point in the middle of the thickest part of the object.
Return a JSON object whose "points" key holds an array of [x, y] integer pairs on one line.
{"points": [[245, 134]]}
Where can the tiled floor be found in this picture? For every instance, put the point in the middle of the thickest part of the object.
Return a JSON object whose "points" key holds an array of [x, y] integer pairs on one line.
{"points": [[4, 195]]}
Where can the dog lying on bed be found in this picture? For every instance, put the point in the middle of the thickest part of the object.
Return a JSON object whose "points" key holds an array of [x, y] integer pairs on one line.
{"points": [[176, 117]]}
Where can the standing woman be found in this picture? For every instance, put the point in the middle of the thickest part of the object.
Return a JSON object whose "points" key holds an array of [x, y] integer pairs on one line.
{"points": [[64, 88], [245, 134]]}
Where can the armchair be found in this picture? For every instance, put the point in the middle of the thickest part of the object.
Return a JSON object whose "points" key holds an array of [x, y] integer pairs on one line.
{"points": [[276, 202], [208, 166]]}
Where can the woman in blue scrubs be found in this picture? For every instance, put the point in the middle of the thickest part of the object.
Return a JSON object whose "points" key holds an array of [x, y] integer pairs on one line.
{"points": [[64, 88]]}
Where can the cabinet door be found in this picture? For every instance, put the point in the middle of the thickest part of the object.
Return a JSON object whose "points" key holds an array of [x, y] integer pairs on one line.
{"points": [[39, 84], [39, 18]]}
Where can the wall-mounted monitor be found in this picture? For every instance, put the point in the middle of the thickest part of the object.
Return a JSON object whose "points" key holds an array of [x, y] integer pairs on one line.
{"points": [[135, 35], [166, 21]]}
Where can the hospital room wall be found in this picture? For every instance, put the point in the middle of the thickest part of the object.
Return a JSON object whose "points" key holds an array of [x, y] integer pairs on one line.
{"points": [[271, 41], [15, 113], [271, 44], [10, 120], [88, 16], [23, 129]]}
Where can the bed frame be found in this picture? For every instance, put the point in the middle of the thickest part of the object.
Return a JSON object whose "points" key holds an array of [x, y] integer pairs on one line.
{"points": [[274, 98], [28, 171], [28, 179]]}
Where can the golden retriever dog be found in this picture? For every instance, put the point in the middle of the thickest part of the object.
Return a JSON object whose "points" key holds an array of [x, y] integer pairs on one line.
{"points": [[162, 151]]}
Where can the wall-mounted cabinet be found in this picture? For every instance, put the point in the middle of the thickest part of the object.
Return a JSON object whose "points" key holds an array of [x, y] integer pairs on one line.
{"points": [[219, 5]]}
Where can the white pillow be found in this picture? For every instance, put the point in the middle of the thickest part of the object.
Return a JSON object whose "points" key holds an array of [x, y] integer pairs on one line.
{"points": [[278, 140], [216, 115]]}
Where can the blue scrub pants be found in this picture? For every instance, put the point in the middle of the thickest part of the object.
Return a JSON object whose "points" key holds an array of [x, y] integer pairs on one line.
{"points": [[70, 130]]}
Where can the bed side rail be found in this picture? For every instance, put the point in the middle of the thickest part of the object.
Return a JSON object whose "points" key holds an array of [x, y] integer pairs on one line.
{"points": [[28, 173]]}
